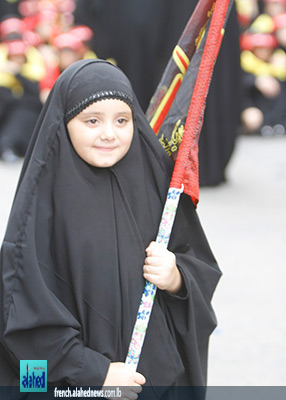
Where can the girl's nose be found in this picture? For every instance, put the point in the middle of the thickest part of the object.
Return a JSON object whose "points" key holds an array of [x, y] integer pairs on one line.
{"points": [[108, 132]]}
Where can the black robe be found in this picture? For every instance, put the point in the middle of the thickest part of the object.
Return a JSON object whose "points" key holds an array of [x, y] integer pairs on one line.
{"points": [[223, 107], [18, 115], [8, 9], [72, 256]]}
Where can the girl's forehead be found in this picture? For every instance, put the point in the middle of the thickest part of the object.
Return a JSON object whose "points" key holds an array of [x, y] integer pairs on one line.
{"points": [[108, 106]]}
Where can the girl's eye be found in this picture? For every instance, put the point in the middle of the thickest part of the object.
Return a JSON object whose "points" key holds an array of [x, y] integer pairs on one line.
{"points": [[122, 121], [93, 121]]}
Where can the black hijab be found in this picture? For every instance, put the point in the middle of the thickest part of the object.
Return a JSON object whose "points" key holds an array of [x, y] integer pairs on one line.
{"points": [[72, 257]]}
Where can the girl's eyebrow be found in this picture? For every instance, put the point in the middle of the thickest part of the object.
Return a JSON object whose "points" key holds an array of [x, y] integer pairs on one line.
{"points": [[127, 113], [85, 113]]}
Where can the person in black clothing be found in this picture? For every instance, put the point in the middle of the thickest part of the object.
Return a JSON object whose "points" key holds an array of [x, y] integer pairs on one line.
{"points": [[20, 103], [9, 8], [79, 246], [19, 92]]}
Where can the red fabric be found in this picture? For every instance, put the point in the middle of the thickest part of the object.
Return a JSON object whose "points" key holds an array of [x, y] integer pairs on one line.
{"points": [[48, 81], [186, 170], [279, 21], [248, 41]]}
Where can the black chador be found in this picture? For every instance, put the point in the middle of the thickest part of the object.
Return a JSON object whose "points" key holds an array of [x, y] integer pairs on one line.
{"points": [[72, 257]]}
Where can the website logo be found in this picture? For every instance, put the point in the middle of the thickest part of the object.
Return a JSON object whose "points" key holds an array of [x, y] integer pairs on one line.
{"points": [[33, 375]]}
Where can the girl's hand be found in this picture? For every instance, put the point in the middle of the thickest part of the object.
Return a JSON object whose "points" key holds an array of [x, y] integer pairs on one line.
{"points": [[129, 382], [160, 268]]}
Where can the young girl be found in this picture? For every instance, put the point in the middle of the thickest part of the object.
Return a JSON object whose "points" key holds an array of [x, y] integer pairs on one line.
{"points": [[79, 246]]}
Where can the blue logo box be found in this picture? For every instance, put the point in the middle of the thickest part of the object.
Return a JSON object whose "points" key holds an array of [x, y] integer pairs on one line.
{"points": [[33, 375]]}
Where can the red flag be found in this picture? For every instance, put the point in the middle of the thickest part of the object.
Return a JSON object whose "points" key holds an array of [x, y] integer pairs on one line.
{"points": [[178, 64], [179, 116]]}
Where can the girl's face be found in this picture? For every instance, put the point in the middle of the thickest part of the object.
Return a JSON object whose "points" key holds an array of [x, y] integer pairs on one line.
{"points": [[102, 133]]}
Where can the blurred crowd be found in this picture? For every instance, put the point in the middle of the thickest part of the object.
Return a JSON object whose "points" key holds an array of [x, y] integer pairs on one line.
{"points": [[40, 38], [263, 61], [37, 44]]}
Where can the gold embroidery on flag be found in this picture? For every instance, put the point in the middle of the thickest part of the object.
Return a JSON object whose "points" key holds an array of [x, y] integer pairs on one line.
{"points": [[172, 145]]}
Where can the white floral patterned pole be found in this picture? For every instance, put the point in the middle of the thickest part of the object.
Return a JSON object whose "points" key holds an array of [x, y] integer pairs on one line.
{"points": [[148, 296]]}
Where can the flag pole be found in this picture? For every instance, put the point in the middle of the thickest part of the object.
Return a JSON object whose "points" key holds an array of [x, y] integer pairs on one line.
{"points": [[148, 296], [187, 155]]}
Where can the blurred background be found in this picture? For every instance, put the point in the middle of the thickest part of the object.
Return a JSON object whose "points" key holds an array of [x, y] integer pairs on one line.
{"points": [[242, 144]]}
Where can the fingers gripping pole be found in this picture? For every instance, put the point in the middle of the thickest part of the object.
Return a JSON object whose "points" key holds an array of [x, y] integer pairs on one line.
{"points": [[148, 296]]}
